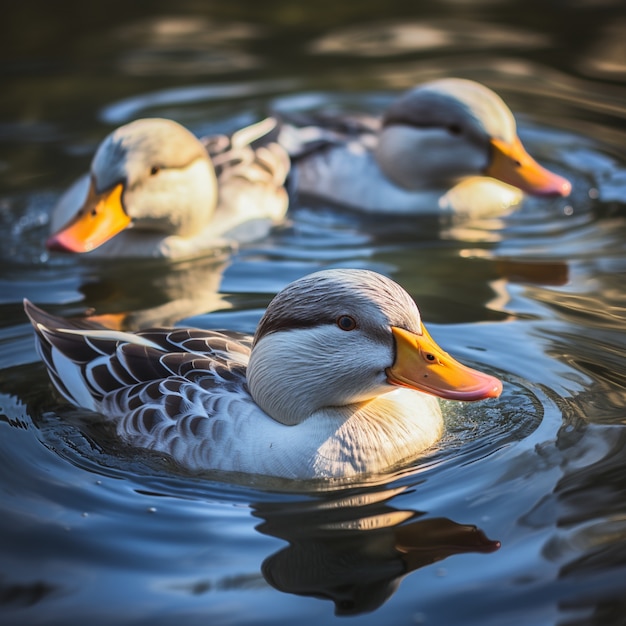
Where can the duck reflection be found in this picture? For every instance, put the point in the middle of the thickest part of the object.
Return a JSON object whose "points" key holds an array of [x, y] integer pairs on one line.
{"points": [[356, 550], [154, 293]]}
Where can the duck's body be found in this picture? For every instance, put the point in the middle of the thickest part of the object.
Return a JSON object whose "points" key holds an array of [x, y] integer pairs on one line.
{"points": [[337, 382], [446, 147], [156, 190]]}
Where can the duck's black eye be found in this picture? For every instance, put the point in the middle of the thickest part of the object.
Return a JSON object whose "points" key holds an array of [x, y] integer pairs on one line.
{"points": [[154, 170], [429, 357], [454, 129], [346, 322]]}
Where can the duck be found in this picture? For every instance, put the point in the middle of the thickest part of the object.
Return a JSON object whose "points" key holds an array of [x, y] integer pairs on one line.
{"points": [[446, 147], [341, 379], [155, 190]]}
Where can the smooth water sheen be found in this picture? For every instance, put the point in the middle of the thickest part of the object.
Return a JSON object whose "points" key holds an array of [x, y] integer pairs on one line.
{"points": [[517, 517]]}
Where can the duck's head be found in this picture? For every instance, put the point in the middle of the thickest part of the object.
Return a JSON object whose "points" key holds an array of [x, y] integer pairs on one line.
{"points": [[151, 174], [340, 337], [448, 129]]}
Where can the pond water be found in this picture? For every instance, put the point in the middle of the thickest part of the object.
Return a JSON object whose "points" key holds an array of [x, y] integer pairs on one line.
{"points": [[519, 514]]}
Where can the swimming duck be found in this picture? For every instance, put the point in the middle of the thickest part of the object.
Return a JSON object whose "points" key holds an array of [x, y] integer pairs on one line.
{"points": [[339, 379], [156, 190], [449, 146]]}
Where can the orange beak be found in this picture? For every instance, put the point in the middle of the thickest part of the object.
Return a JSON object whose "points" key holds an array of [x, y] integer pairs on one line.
{"points": [[511, 164], [422, 365], [98, 220]]}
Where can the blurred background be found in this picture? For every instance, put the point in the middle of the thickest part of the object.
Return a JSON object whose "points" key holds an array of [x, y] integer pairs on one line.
{"points": [[69, 68]]}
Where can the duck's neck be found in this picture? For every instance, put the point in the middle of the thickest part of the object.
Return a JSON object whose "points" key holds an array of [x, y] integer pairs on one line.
{"points": [[367, 437]]}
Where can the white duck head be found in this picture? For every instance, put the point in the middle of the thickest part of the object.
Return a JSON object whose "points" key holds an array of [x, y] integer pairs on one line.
{"points": [[339, 338], [449, 129], [152, 174]]}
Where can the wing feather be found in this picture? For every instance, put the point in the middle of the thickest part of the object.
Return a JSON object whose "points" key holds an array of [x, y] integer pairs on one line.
{"points": [[251, 153], [302, 134], [90, 364], [178, 417]]}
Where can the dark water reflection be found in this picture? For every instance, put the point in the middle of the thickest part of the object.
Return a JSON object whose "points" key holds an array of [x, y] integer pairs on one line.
{"points": [[355, 550], [91, 534]]}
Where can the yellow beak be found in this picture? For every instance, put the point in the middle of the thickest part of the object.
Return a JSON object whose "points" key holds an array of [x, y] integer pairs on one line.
{"points": [[511, 164], [422, 365], [101, 217]]}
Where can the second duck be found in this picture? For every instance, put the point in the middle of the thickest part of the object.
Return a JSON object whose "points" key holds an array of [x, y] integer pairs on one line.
{"points": [[156, 190], [449, 146]]}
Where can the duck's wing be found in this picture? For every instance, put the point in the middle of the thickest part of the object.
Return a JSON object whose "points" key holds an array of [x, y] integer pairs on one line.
{"points": [[251, 170], [251, 153], [302, 134], [195, 417], [88, 362], [178, 391]]}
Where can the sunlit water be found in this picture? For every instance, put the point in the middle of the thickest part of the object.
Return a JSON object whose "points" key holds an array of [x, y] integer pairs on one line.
{"points": [[518, 516]]}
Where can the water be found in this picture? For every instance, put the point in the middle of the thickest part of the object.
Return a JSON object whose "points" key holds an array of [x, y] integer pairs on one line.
{"points": [[518, 516]]}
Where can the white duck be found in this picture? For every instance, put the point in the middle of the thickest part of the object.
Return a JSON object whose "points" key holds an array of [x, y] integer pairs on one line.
{"points": [[449, 146], [338, 381], [156, 190]]}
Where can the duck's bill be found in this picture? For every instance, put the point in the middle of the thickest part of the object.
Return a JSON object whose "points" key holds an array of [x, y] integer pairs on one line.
{"points": [[99, 219], [511, 164], [422, 365]]}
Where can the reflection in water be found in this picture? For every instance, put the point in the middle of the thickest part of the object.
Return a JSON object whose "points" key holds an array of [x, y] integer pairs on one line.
{"points": [[152, 104], [607, 56], [16, 595], [534, 272], [177, 45], [355, 550], [390, 38], [585, 507], [154, 293]]}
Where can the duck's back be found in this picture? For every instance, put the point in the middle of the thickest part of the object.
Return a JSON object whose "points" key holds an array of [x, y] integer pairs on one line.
{"points": [[333, 161]]}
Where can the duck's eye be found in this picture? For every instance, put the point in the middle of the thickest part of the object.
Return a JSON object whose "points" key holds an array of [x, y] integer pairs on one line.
{"points": [[430, 357], [154, 170], [346, 322], [454, 129]]}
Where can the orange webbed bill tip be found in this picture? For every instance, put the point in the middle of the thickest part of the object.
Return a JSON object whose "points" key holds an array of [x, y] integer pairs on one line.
{"points": [[98, 220], [422, 365], [511, 163]]}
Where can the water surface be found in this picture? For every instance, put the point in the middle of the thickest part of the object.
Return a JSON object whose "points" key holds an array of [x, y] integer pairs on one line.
{"points": [[517, 517]]}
